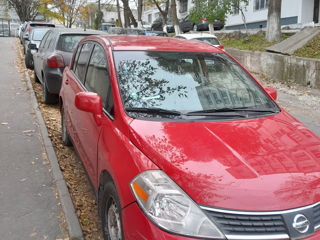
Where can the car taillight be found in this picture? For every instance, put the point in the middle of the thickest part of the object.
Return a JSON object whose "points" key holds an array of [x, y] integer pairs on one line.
{"points": [[221, 47], [28, 29], [55, 61]]}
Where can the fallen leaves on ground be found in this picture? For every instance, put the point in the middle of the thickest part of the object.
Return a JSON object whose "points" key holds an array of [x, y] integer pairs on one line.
{"points": [[81, 192]]}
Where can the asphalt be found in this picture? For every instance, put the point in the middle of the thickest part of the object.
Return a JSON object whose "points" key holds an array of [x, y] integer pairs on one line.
{"points": [[30, 206]]}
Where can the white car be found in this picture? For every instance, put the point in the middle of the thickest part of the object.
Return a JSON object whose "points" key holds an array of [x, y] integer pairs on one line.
{"points": [[203, 37]]}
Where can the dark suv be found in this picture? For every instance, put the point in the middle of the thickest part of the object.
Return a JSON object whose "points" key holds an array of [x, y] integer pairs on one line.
{"points": [[54, 53]]}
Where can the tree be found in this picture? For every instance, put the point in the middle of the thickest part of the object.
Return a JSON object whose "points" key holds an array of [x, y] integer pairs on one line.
{"points": [[68, 10], [163, 12], [273, 33], [128, 16], [174, 17], [27, 10], [213, 10]]}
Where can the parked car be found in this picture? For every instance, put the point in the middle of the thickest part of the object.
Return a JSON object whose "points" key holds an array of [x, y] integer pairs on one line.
{"points": [[156, 33], [186, 25], [181, 142], [125, 31], [157, 25], [27, 28], [106, 26], [31, 46], [146, 25], [202, 37], [54, 53]]}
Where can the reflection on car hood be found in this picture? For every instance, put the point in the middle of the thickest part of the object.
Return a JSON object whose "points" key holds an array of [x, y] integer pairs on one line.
{"points": [[269, 163]]}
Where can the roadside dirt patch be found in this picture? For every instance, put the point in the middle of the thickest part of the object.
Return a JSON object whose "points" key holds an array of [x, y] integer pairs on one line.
{"points": [[80, 189]]}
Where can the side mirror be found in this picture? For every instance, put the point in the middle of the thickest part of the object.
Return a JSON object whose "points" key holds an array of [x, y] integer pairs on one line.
{"points": [[272, 92], [33, 46], [89, 102]]}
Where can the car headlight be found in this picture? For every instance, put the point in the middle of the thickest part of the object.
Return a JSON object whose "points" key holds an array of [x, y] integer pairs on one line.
{"points": [[170, 208]]}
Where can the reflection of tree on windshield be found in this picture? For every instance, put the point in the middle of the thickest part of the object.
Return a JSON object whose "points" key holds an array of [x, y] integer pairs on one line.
{"points": [[145, 85]]}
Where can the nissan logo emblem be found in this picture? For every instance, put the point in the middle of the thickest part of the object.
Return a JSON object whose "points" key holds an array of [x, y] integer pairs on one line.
{"points": [[301, 223]]}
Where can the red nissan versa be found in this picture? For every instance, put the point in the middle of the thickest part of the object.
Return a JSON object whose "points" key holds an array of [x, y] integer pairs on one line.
{"points": [[181, 142]]}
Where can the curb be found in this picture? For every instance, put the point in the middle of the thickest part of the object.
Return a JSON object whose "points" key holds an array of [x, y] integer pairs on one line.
{"points": [[74, 228]]}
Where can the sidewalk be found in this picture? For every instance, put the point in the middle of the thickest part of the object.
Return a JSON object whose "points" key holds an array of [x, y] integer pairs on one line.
{"points": [[28, 204]]}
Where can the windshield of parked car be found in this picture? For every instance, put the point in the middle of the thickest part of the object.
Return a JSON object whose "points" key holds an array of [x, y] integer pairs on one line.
{"points": [[212, 41], [187, 82], [67, 43], [38, 34]]}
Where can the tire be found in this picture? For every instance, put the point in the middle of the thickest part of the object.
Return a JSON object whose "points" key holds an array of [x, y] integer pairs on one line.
{"points": [[110, 209], [29, 61], [47, 97], [66, 139], [35, 77]]}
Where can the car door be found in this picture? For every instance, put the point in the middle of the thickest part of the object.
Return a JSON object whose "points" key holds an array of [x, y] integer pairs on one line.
{"points": [[97, 80], [74, 83], [42, 57], [36, 56]]}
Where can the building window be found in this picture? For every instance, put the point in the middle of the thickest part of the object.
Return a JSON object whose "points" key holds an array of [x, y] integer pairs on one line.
{"points": [[235, 8], [261, 4], [149, 18], [183, 6]]}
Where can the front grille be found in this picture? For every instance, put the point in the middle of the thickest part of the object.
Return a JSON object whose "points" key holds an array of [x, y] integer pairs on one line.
{"points": [[238, 224], [316, 216]]}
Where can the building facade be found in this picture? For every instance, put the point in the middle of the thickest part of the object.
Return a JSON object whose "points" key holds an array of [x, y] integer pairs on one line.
{"points": [[256, 13], [292, 12]]}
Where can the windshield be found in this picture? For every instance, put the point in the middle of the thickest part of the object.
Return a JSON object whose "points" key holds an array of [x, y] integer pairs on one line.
{"points": [[38, 34], [186, 82], [212, 41]]}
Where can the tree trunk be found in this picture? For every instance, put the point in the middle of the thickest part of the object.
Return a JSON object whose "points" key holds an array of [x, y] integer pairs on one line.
{"points": [[119, 14], [163, 13], [211, 28], [244, 20], [273, 33], [139, 13], [174, 17], [316, 11]]}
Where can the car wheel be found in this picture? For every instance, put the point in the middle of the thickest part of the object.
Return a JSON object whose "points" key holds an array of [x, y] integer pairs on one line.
{"points": [[195, 27], [66, 139], [111, 213], [47, 97], [29, 61], [35, 77]]}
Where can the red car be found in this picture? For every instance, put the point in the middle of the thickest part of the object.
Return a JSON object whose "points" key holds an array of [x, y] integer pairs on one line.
{"points": [[181, 142]]}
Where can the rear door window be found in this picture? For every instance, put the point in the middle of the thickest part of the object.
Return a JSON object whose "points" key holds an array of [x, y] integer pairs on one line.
{"points": [[81, 66]]}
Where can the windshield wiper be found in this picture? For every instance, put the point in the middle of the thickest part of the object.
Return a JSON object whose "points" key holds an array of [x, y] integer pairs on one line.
{"points": [[232, 111], [154, 111]]}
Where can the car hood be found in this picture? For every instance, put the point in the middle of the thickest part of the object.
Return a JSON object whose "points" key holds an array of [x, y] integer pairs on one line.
{"points": [[265, 164]]}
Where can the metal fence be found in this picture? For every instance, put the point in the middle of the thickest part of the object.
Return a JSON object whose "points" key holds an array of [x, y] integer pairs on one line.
{"points": [[8, 28]]}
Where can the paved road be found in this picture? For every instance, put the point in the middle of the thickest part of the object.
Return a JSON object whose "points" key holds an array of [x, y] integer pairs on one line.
{"points": [[29, 208]]}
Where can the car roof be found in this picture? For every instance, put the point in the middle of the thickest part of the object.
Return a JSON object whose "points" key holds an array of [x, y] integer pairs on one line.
{"points": [[149, 43], [75, 31], [196, 35]]}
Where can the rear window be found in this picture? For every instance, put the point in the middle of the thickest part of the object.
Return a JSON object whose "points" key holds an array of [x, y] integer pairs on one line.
{"points": [[38, 34], [67, 43]]}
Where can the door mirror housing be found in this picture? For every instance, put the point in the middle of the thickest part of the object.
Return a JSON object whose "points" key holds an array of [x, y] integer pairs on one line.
{"points": [[33, 46], [272, 92], [89, 102]]}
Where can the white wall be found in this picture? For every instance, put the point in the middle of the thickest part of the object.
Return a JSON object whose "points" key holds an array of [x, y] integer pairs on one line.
{"points": [[289, 8], [306, 8]]}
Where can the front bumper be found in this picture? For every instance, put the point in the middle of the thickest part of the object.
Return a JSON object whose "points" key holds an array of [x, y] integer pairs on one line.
{"points": [[137, 226]]}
